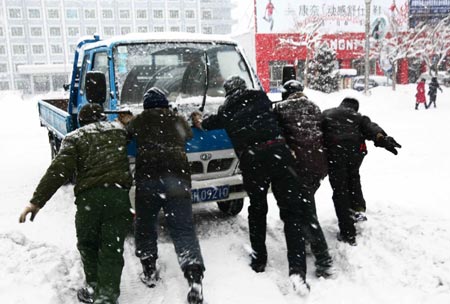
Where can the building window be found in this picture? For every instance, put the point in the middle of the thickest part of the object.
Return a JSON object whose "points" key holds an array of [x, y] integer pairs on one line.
{"points": [[174, 14], [15, 13], [190, 14], [55, 31], [34, 13], [1, 31], [125, 30], [107, 14], [91, 30], [37, 49], [108, 30], [174, 28], [17, 31], [4, 85], [73, 31], [124, 14], [72, 13], [141, 14], [56, 49], [36, 31], [18, 49], [190, 29], [89, 14], [41, 83], [53, 13], [206, 15], [2, 50], [207, 30], [158, 14], [157, 29], [142, 29], [23, 85], [72, 48], [3, 68]]}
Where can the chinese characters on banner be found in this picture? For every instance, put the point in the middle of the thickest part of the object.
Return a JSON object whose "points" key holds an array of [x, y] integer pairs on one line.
{"points": [[345, 16]]}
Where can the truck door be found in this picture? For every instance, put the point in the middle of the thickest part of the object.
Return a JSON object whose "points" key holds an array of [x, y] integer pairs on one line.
{"points": [[85, 67], [100, 62]]}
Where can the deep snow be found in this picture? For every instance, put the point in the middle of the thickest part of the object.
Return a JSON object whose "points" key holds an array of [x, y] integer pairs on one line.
{"points": [[402, 254]]}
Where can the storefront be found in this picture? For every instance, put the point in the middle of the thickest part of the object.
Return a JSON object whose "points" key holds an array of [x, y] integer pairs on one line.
{"points": [[287, 32]]}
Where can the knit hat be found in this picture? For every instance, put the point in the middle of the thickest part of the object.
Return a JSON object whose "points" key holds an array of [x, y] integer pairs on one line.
{"points": [[233, 84], [155, 98], [91, 112], [350, 103]]}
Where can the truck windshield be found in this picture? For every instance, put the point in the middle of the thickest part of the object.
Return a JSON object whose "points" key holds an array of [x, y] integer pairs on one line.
{"points": [[188, 72]]}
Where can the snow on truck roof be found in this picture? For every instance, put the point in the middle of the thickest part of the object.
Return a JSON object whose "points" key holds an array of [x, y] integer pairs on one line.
{"points": [[160, 37]]}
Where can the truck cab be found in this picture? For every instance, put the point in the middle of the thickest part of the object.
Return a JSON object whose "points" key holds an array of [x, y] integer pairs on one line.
{"points": [[191, 68]]}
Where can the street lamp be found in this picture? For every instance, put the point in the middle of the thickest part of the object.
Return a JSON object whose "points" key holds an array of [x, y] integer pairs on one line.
{"points": [[366, 57]]}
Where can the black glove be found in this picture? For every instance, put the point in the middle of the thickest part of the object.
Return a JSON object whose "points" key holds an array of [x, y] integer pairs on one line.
{"points": [[388, 143]]}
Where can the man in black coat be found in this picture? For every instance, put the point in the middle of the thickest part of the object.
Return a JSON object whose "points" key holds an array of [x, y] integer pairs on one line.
{"points": [[300, 120], [163, 181], [345, 131], [265, 160]]}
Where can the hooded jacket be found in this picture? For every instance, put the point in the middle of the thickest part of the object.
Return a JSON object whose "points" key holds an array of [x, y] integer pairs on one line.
{"points": [[96, 153], [160, 136], [300, 120]]}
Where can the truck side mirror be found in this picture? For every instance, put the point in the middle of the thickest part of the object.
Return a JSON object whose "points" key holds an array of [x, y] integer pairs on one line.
{"points": [[95, 87], [288, 73]]}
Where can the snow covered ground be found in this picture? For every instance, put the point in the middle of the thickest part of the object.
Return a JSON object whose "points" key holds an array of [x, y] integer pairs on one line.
{"points": [[402, 254]]}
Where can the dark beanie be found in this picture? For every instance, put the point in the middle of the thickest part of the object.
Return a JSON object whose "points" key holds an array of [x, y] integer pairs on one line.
{"points": [[155, 98], [91, 112], [350, 103]]}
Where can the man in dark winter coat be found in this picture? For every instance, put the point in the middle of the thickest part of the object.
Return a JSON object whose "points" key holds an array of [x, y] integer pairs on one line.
{"points": [[432, 91], [300, 120], [265, 160], [345, 131], [97, 154], [163, 181]]}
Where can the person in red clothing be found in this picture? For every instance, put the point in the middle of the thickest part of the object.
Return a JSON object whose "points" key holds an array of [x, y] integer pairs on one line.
{"points": [[420, 95], [268, 15]]}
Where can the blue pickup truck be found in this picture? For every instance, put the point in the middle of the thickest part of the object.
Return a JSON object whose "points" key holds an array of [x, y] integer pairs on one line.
{"points": [[191, 68]]}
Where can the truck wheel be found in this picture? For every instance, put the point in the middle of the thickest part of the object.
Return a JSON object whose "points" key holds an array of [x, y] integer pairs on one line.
{"points": [[232, 207]]}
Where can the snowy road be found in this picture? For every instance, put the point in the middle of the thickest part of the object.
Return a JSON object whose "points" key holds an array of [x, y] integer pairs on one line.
{"points": [[402, 255]]}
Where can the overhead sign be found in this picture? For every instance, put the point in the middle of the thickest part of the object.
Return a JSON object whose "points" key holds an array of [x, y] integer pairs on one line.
{"points": [[344, 16]]}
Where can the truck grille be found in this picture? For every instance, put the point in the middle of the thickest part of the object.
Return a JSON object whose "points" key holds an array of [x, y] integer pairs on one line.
{"points": [[196, 167], [215, 165]]}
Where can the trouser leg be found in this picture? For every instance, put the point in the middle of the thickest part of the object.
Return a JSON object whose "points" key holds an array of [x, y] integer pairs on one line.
{"points": [[285, 187], [88, 226], [355, 191], [115, 224], [339, 181], [178, 215], [256, 185], [148, 204]]}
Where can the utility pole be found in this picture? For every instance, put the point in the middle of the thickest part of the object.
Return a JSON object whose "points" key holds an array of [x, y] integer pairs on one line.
{"points": [[366, 57]]}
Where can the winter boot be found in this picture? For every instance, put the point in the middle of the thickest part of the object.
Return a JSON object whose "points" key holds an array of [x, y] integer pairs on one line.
{"points": [[326, 272], [258, 262], [194, 276], [86, 294], [150, 274], [299, 284], [360, 216], [349, 239]]}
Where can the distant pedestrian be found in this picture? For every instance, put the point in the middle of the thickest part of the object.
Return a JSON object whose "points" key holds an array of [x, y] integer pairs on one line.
{"points": [[268, 14], [300, 120], [420, 95], [97, 154], [163, 181], [345, 132], [432, 91]]}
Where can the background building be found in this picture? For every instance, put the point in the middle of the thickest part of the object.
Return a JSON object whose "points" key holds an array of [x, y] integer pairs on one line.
{"points": [[46, 32]]}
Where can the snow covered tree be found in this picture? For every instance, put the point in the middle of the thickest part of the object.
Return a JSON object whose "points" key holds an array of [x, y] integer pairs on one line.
{"points": [[323, 74]]}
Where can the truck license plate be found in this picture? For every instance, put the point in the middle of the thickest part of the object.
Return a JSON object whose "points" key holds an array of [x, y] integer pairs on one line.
{"points": [[210, 194]]}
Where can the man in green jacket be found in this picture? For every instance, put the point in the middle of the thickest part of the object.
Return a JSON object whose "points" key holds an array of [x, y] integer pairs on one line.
{"points": [[97, 154]]}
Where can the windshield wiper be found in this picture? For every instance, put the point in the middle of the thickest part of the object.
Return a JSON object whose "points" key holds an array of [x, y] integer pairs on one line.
{"points": [[206, 81]]}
